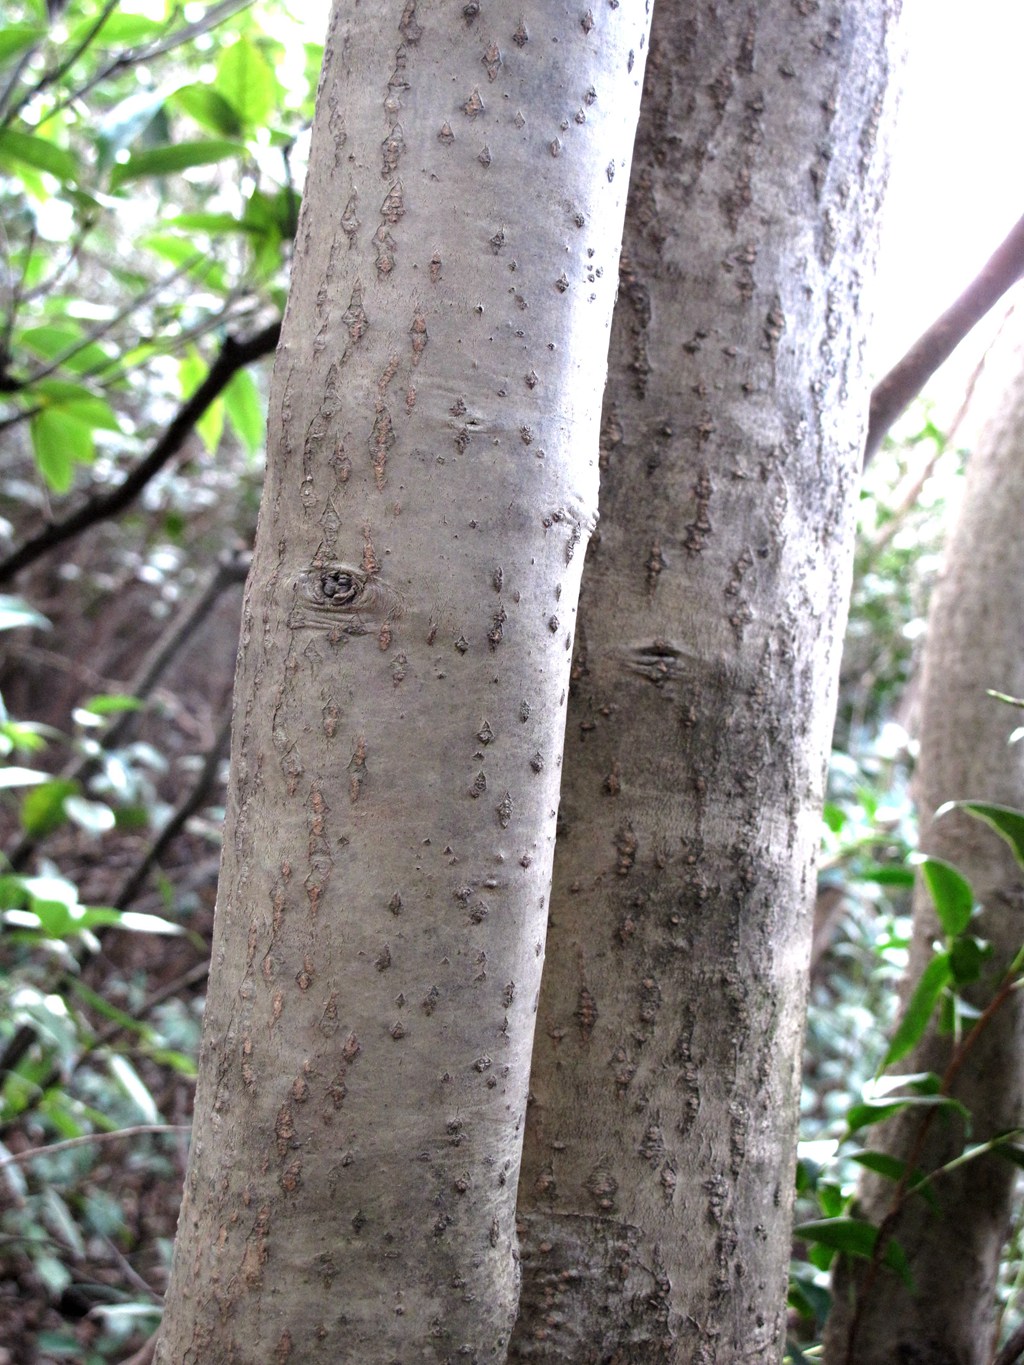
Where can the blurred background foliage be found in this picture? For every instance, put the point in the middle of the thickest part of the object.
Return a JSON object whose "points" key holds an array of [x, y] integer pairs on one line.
{"points": [[151, 161], [151, 155]]}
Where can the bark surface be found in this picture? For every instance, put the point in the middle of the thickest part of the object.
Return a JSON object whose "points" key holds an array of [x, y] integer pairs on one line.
{"points": [[974, 643], [400, 699], [658, 1172]]}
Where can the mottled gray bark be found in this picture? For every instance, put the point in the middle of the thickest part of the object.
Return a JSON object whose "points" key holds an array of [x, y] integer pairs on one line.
{"points": [[975, 642], [431, 488], [657, 1179]]}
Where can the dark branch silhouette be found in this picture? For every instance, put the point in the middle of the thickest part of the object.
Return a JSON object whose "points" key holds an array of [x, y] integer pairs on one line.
{"points": [[233, 356], [909, 375]]}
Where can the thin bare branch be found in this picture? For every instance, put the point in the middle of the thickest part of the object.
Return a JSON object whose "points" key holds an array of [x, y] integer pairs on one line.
{"points": [[144, 1355], [182, 814], [908, 376], [50, 77], [216, 15], [1013, 1350], [232, 567], [101, 329], [139, 1130], [909, 490]]}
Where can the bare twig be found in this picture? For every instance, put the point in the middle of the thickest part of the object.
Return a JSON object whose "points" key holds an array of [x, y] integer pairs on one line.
{"points": [[130, 1273], [234, 356], [184, 982], [102, 328], [232, 567], [139, 1130], [49, 78], [906, 495], [908, 376], [1013, 1350], [183, 812], [214, 16], [144, 1355]]}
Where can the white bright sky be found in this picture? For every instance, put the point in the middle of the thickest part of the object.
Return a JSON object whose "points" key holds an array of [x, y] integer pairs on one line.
{"points": [[957, 186]]}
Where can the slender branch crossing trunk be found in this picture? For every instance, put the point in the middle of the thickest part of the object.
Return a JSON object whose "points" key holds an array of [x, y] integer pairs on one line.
{"points": [[656, 1185], [974, 643], [400, 699]]}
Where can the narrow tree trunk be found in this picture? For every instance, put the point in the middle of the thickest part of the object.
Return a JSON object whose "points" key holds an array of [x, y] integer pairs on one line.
{"points": [[656, 1186], [975, 642], [399, 709]]}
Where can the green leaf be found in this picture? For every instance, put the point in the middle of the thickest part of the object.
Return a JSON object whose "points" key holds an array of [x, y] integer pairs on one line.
{"points": [[182, 252], [794, 1355], [192, 370], [36, 151], [934, 979], [42, 809], [214, 223], [133, 1087], [15, 38], [883, 876], [110, 704], [75, 400], [950, 892], [55, 1277], [967, 956], [121, 125], [920, 1082], [169, 159], [830, 1199], [21, 777], [119, 30], [1012, 1153], [834, 816], [287, 203], [59, 442], [60, 1218], [99, 916], [210, 426], [209, 109], [106, 1010], [246, 81], [852, 1237], [867, 1112], [1007, 822], [892, 1168], [245, 410], [95, 817], [14, 612], [14, 894], [131, 818], [50, 341], [810, 1299], [55, 918], [135, 922], [177, 1061]]}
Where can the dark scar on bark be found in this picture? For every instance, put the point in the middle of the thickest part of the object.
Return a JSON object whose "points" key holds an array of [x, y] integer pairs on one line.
{"points": [[341, 596]]}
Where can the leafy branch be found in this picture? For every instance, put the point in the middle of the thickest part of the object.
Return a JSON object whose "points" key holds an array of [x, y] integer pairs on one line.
{"points": [[234, 355], [958, 963]]}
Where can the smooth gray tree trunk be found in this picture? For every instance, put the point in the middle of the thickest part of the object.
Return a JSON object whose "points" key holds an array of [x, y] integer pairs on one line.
{"points": [[656, 1190], [400, 699], [975, 642]]}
